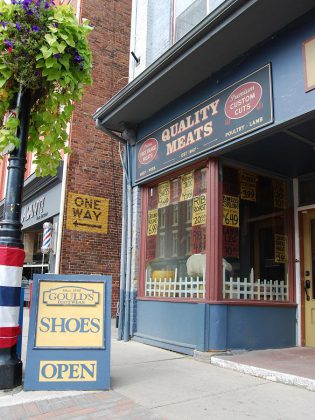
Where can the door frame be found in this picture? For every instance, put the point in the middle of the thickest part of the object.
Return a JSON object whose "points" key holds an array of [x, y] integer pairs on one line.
{"points": [[301, 211]]}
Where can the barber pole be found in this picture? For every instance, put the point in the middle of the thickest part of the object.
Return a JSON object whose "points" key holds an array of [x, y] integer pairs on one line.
{"points": [[11, 266], [47, 237]]}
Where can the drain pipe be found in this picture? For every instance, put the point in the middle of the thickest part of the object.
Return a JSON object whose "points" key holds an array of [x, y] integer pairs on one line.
{"points": [[129, 250], [123, 252], [127, 138]]}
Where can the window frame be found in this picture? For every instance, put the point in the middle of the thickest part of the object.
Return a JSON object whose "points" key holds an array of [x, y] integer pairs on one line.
{"points": [[214, 281]]}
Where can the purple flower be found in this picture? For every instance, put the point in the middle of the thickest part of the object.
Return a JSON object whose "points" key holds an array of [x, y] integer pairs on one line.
{"points": [[35, 28], [57, 56], [3, 23], [8, 43], [18, 26], [13, 1], [55, 24], [26, 3], [77, 58]]}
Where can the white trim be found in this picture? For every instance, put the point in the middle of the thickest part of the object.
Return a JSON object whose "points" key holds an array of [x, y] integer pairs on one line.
{"points": [[303, 208], [9, 316], [10, 276]]}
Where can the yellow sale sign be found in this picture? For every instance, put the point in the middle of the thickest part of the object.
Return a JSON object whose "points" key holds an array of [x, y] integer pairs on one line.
{"points": [[70, 314], [231, 210]]}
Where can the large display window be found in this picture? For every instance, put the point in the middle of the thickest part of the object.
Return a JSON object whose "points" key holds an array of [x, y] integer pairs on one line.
{"points": [[175, 237], [255, 240]]}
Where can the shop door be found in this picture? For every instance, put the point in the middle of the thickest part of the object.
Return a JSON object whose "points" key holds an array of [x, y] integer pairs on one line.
{"points": [[309, 276]]}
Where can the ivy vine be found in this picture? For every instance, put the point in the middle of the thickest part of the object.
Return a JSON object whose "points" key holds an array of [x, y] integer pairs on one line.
{"points": [[43, 48]]}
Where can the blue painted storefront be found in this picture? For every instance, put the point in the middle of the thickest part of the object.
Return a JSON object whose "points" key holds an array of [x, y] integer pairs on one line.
{"points": [[183, 326]]}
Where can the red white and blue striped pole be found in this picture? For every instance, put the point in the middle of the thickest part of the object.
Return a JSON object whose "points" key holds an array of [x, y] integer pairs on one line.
{"points": [[47, 236], [11, 251]]}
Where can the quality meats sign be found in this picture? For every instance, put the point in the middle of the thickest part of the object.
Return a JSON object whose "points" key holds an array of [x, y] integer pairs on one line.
{"points": [[237, 110]]}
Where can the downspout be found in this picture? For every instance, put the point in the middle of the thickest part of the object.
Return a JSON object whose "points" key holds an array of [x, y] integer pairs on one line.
{"points": [[129, 249], [123, 253], [126, 240]]}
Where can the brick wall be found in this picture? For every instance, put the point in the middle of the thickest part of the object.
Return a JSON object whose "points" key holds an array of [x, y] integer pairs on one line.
{"points": [[94, 165]]}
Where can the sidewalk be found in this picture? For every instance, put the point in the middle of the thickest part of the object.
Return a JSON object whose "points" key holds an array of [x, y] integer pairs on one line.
{"points": [[292, 366], [151, 383]]}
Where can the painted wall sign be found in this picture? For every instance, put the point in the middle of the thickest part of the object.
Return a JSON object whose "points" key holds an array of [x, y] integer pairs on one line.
{"points": [[231, 208], [237, 110], [281, 248], [248, 185], [87, 213], [69, 334]]}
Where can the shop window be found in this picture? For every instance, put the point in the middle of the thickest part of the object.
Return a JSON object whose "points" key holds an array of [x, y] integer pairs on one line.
{"points": [[254, 237], [176, 237]]}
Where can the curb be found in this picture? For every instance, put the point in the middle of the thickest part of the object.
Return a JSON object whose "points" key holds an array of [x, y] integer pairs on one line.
{"points": [[270, 375]]}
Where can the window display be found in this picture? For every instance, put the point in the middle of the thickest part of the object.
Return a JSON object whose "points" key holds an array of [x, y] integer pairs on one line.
{"points": [[176, 237], [254, 236]]}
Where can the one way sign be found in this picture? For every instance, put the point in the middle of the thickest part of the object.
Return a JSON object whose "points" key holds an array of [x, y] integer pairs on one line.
{"points": [[87, 213]]}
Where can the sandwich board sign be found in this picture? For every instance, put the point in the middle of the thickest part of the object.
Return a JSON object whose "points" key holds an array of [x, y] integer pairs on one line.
{"points": [[69, 333]]}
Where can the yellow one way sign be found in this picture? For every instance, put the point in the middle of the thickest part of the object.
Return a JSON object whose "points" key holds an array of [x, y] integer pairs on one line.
{"points": [[87, 213]]}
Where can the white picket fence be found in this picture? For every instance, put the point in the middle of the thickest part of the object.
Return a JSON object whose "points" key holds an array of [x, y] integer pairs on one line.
{"points": [[182, 287], [237, 288]]}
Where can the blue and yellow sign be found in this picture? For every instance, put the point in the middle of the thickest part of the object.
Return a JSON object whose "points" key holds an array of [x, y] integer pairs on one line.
{"points": [[69, 335]]}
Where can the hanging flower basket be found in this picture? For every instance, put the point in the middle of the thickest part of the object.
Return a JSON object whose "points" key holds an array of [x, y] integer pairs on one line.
{"points": [[44, 49]]}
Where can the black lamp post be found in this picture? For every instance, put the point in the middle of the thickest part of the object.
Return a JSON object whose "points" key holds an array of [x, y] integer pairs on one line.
{"points": [[11, 247]]}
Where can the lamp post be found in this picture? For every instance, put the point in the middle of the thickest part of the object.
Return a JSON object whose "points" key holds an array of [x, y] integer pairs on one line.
{"points": [[11, 250]]}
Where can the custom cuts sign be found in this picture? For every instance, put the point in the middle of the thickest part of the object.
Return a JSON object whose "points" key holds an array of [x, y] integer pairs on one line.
{"points": [[237, 110], [69, 335]]}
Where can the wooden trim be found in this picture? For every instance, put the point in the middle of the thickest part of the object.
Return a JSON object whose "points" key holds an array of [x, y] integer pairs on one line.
{"points": [[307, 87], [143, 230], [166, 299], [291, 256], [214, 233], [256, 303], [302, 277]]}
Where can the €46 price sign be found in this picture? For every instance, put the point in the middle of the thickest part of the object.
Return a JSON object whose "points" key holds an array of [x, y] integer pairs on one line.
{"points": [[69, 334]]}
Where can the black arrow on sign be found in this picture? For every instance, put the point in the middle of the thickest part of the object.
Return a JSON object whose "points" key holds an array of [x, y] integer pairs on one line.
{"points": [[76, 223]]}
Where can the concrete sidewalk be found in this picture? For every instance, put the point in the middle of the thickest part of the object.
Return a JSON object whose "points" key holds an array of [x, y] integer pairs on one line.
{"points": [[291, 366], [151, 383]]}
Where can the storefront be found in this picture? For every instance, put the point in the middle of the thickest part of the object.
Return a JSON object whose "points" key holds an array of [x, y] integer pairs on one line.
{"points": [[225, 175]]}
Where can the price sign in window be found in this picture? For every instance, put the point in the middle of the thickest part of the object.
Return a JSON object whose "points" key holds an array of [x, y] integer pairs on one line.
{"points": [[231, 211]]}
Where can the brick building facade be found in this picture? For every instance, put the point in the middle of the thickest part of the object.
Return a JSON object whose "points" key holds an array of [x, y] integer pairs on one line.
{"points": [[94, 167]]}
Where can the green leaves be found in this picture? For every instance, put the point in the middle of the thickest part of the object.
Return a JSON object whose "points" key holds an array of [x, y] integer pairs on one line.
{"points": [[56, 62]]}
